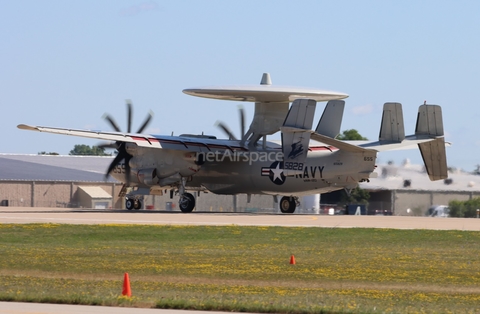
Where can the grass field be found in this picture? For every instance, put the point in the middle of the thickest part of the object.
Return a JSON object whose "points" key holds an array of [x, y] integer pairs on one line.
{"points": [[243, 268]]}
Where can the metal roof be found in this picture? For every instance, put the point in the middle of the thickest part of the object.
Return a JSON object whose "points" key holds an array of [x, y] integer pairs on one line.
{"points": [[95, 192], [54, 168]]}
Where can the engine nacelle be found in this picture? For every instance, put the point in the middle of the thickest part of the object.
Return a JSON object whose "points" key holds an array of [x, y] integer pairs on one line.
{"points": [[147, 176], [131, 148]]}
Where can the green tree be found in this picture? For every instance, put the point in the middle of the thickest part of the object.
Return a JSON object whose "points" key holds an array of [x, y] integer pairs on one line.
{"points": [[86, 150], [351, 135], [356, 196], [50, 153], [464, 209]]}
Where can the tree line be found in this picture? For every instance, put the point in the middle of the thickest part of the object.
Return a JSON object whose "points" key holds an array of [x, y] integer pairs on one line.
{"points": [[83, 150], [464, 209]]}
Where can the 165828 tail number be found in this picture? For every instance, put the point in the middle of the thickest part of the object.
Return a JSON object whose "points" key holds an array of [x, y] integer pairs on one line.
{"points": [[293, 166]]}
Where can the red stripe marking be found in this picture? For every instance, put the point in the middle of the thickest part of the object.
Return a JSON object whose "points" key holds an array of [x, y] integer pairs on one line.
{"points": [[319, 148], [138, 138]]}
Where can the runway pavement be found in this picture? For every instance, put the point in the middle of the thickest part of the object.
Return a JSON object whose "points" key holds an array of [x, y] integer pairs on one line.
{"points": [[43, 308], [73, 216]]}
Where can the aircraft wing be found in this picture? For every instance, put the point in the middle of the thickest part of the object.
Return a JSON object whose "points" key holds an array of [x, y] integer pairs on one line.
{"points": [[108, 136], [143, 140]]}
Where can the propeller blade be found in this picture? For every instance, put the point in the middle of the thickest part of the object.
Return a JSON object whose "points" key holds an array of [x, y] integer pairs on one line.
{"points": [[112, 122], [242, 120], [129, 116], [227, 131], [120, 156], [121, 146], [146, 122], [128, 170]]}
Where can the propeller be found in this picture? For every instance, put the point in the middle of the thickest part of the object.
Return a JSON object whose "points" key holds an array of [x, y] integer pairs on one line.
{"points": [[120, 146], [226, 129]]}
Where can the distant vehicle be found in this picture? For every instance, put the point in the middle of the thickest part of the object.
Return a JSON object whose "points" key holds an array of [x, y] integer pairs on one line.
{"points": [[438, 211]]}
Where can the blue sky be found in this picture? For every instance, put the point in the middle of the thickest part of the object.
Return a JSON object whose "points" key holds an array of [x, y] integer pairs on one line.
{"points": [[66, 63]]}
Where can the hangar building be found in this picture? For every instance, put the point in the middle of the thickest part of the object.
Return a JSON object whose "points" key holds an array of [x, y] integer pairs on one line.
{"points": [[406, 189], [78, 182]]}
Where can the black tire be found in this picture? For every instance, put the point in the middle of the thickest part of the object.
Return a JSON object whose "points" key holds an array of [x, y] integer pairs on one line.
{"points": [[287, 205], [137, 204], [129, 203], [187, 203]]}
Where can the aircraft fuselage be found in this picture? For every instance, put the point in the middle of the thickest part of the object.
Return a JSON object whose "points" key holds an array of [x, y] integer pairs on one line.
{"points": [[322, 172]]}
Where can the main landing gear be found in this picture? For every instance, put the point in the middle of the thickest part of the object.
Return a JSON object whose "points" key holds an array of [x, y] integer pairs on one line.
{"points": [[187, 200], [132, 203], [288, 204]]}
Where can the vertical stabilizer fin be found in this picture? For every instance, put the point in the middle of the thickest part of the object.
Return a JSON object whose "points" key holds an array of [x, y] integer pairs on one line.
{"points": [[429, 121], [392, 128], [435, 158], [430, 124], [301, 114], [331, 120], [296, 132]]}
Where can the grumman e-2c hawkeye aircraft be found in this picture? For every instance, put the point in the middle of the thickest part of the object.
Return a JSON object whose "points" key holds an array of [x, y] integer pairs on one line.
{"points": [[305, 162]]}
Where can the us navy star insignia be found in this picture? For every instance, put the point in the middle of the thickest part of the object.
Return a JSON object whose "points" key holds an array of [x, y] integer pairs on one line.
{"points": [[275, 172]]}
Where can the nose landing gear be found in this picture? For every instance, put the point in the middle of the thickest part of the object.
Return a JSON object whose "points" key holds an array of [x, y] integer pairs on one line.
{"points": [[187, 203], [187, 200], [132, 203]]}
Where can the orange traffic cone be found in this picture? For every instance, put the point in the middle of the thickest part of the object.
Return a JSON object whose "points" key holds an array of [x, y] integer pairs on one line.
{"points": [[292, 260], [126, 286]]}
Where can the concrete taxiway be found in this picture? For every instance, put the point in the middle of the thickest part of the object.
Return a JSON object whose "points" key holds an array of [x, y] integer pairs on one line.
{"points": [[42, 308], [72, 216]]}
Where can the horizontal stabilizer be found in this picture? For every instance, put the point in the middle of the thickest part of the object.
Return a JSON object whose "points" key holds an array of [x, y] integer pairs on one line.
{"points": [[392, 128], [331, 119], [435, 158], [339, 144], [429, 121]]}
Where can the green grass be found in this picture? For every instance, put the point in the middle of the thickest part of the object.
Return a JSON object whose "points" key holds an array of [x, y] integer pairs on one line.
{"points": [[243, 268]]}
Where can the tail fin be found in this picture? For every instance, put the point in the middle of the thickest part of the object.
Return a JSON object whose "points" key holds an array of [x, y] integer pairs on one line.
{"points": [[331, 120], [428, 136], [435, 158], [392, 129], [296, 132], [430, 123], [329, 127]]}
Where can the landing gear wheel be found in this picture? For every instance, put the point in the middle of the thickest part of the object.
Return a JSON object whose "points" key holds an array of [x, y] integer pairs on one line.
{"points": [[129, 203], [187, 203], [288, 205], [137, 204]]}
